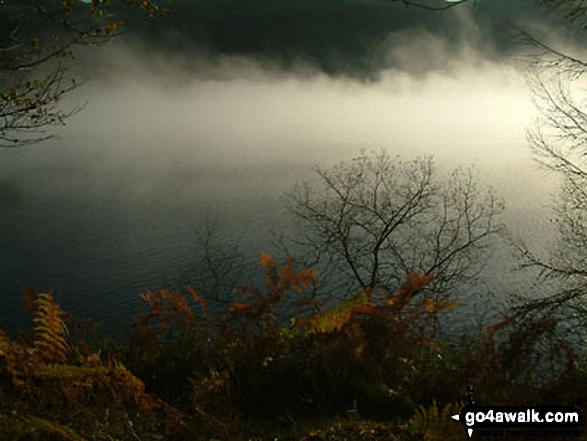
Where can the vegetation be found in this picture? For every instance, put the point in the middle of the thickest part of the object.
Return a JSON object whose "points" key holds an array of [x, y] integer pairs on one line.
{"points": [[37, 39], [374, 220], [276, 363], [558, 141], [280, 361]]}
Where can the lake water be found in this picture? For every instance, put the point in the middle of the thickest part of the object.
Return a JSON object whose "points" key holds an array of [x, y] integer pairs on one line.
{"points": [[99, 239], [112, 208]]}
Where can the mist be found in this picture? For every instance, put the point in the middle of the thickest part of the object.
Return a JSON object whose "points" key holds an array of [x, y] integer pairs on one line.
{"points": [[110, 208]]}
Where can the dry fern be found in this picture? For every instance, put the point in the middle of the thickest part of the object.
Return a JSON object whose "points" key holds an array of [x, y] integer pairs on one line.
{"points": [[432, 424], [50, 329], [35, 429]]}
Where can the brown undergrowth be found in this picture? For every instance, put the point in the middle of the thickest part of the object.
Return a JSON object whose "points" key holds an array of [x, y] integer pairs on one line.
{"points": [[272, 361]]}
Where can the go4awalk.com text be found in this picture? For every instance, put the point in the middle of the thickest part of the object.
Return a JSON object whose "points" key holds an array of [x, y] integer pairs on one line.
{"points": [[482, 420]]}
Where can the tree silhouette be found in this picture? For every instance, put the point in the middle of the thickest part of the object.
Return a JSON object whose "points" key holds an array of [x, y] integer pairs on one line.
{"points": [[558, 140], [37, 37], [372, 221]]}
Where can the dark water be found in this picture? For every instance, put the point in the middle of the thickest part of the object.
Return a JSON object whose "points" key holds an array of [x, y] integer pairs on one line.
{"points": [[99, 237], [113, 207]]}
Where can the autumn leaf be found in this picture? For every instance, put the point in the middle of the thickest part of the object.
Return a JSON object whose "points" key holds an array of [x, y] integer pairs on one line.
{"points": [[238, 308], [266, 261]]}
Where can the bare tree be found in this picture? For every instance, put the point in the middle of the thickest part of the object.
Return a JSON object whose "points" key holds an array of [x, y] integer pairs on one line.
{"points": [[371, 221], [218, 262], [37, 37], [558, 140], [430, 5]]}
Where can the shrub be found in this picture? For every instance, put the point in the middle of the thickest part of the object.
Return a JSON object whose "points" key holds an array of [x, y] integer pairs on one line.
{"points": [[279, 350], [53, 385], [433, 424]]}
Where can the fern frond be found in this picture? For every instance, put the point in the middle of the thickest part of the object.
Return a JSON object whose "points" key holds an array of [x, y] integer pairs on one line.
{"points": [[434, 424], [50, 329], [337, 317], [40, 428], [68, 372], [128, 387]]}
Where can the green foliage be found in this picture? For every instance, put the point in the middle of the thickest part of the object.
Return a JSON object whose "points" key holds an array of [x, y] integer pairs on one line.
{"points": [[335, 318]]}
